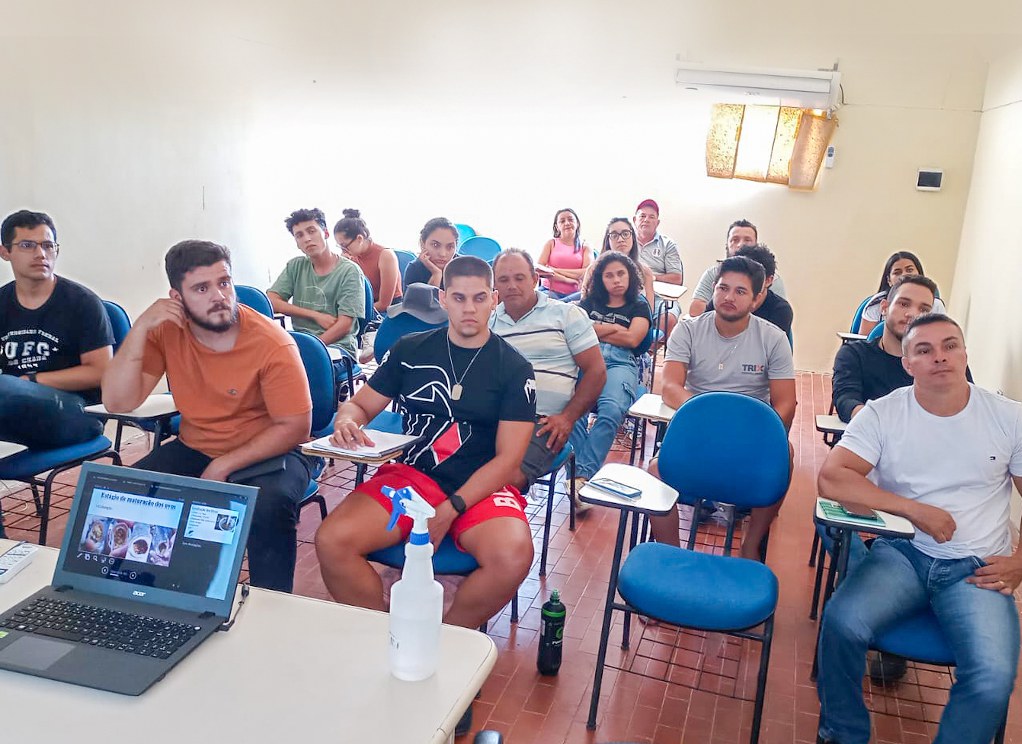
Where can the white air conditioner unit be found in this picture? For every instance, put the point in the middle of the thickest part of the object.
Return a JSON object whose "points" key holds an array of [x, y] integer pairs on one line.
{"points": [[818, 89]]}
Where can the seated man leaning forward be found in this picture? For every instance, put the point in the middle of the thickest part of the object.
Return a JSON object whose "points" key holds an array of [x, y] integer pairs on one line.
{"points": [[943, 454], [472, 398], [558, 340], [729, 349], [242, 391]]}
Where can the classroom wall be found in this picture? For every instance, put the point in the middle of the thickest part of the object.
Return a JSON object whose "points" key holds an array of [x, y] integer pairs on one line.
{"points": [[989, 261], [137, 124]]}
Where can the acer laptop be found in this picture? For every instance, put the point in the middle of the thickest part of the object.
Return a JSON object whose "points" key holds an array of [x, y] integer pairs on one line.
{"points": [[147, 571]]}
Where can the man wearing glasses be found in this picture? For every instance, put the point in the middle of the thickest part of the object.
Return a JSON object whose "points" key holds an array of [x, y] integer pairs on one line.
{"points": [[55, 342], [321, 290]]}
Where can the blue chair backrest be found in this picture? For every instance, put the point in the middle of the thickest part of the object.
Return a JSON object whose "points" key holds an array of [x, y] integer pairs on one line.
{"points": [[484, 248], [403, 259], [320, 371], [857, 318], [726, 447], [120, 323], [877, 332], [465, 232], [391, 329], [370, 312], [791, 340], [254, 298]]}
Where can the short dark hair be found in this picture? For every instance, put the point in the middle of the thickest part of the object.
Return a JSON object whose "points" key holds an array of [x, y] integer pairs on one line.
{"points": [[922, 281], [191, 254], [515, 252], [597, 290], [352, 225], [761, 255], [468, 266], [437, 223], [742, 265], [740, 223], [924, 320], [24, 218], [299, 216]]}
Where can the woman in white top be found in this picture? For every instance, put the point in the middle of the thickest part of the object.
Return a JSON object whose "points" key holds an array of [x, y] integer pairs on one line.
{"points": [[898, 265]]}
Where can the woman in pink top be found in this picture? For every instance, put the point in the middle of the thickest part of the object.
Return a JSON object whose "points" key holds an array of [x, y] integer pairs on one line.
{"points": [[379, 264], [566, 257]]}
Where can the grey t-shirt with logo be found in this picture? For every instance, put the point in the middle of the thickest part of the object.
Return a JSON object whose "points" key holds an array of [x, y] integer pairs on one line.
{"points": [[743, 364]]}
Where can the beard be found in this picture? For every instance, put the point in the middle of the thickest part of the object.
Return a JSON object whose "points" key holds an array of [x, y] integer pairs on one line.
{"points": [[732, 315], [222, 327]]}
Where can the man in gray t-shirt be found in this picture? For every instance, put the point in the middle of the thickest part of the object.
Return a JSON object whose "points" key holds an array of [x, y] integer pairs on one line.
{"points": [[729, 349]]}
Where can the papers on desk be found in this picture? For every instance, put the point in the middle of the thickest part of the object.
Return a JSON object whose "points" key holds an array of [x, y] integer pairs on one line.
{"points": [[384, 443], [833, 510]]}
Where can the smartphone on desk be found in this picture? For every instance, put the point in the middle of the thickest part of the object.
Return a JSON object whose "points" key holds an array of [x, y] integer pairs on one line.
{"points": [[618, 489]]}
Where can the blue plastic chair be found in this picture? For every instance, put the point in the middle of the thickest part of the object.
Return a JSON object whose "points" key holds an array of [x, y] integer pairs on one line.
{"points": [[27, 466], [403, 259], [857, 318], [877, 332], [484, 248], [391, 329], [254, 298], [744, 463], [465, 232], [322, 386]]}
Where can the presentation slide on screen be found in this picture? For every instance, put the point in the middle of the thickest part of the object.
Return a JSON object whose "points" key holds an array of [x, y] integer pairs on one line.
{"points": [[212, 524], [132, 527]]}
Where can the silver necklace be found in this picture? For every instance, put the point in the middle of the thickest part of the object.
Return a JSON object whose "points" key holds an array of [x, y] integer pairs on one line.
{"points": [[722, 361], [456, 388]]}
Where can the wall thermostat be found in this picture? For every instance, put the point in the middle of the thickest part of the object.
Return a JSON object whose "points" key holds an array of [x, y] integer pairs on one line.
{"points": [[929, 179]]}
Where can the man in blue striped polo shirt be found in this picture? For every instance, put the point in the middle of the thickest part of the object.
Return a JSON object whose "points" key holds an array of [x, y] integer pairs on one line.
{"points": [[558, 340]]}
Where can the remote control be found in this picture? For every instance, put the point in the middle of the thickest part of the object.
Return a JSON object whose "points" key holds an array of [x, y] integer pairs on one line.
{"points": [[14, 560]]}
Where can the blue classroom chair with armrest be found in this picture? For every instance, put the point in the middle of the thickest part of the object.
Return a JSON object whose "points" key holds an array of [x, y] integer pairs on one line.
{"points": [[480, 247], [323, 388], [254, 298], [464, 232], [857, 317], [744, 464], [877, 332], [403, 259]]}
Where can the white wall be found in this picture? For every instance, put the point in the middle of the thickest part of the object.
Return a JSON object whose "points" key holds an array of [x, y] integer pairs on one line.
{"points": [[137, 124]]}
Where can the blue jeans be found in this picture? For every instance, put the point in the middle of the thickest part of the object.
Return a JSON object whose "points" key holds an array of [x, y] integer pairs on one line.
{"points": [[592, 445], [41, 417], [895, 581]]}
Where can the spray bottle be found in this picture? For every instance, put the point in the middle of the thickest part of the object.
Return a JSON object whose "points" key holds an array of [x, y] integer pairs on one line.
{"points": [[417, 599]]}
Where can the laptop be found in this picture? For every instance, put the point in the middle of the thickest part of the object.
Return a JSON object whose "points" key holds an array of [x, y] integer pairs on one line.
{"points": [[147, 571]]}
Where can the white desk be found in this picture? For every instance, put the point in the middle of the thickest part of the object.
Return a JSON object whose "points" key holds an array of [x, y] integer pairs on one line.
{"points": [[155, 409], [650, 407], [668, 291], [292, 669], [847, 338], [10, 448], [831, 426]]}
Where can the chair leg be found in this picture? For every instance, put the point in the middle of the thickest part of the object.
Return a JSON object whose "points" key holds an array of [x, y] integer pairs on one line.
{"points": [[36, 499], [514, 607], [761, 679], [546, 523], [818, 556], [812, 551], [322, 506], [117, 436], [695, 524], [571, 493]]}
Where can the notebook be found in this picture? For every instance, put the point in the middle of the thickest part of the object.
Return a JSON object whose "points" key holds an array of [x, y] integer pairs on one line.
{"points": [[147, 571], [384, 443]]}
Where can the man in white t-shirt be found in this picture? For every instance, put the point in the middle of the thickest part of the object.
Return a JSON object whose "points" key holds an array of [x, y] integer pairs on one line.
{"points": [[943, 454], [730, 350]]}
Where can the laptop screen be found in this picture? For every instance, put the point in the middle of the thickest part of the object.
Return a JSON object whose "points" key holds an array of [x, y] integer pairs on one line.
{"points": [[174, 534]]}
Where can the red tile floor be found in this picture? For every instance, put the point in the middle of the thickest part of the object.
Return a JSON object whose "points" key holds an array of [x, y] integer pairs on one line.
{"points": [[528, 708]]}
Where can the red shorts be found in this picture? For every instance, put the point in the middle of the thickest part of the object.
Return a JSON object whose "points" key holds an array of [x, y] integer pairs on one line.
{"points": [[507, 502]]}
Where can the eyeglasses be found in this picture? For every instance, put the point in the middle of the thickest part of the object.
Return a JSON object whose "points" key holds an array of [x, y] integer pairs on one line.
{"points": [[346, 246], [623, 235], [29, 246]]}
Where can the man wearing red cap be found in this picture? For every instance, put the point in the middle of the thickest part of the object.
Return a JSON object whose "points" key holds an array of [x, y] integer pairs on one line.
{"points": [[658, 252]]}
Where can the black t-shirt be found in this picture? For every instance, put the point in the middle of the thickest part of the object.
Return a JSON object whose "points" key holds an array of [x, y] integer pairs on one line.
{"points": [[621, 316], [417, 273], [52, 337], [460, 435], [774, 309]]}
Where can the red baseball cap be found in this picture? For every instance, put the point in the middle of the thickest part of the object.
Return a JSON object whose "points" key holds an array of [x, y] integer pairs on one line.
{"points": [[649, 203]]}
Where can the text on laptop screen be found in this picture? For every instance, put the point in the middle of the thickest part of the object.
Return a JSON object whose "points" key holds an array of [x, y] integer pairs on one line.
{"points": [[156, 534]]}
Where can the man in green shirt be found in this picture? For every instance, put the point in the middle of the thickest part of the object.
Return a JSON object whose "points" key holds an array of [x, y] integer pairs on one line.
{"points": [[322, 291]]}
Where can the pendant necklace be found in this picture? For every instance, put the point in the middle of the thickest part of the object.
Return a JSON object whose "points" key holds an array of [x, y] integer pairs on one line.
{"points": [[722, 361], [456, 388]]}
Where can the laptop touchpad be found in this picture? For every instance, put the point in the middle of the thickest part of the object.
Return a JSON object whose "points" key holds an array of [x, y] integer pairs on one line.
{"points": [[35, 653]]}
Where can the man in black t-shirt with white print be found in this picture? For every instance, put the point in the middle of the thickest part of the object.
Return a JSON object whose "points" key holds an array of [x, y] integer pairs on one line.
{"points": [[55, 342], [472, 397]]}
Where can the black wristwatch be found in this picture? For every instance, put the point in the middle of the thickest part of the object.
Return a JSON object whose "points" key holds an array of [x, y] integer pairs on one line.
{"points": [[32, 376], [458, 503]]}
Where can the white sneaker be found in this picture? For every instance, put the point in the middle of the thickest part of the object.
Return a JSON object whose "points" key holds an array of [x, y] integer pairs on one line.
{"points": [[580, 506]]}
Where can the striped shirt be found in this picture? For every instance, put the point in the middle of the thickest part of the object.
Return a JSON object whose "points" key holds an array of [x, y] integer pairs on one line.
{"points": [[549, 336]]}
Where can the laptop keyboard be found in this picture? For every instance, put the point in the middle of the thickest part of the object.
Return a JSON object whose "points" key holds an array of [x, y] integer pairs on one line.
{"points": [[98, 626]]}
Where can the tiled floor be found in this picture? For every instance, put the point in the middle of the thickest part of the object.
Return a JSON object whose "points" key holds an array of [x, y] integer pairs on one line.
{"points": [[527, 708]]}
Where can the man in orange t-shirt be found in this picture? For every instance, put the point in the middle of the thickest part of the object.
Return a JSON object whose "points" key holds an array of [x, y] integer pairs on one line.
{"points": [[241, 388]]}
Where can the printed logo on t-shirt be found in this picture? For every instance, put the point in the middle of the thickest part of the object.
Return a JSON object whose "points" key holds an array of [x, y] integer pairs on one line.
{"points": [[33, 352], [753, 369], [530, 390]]}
